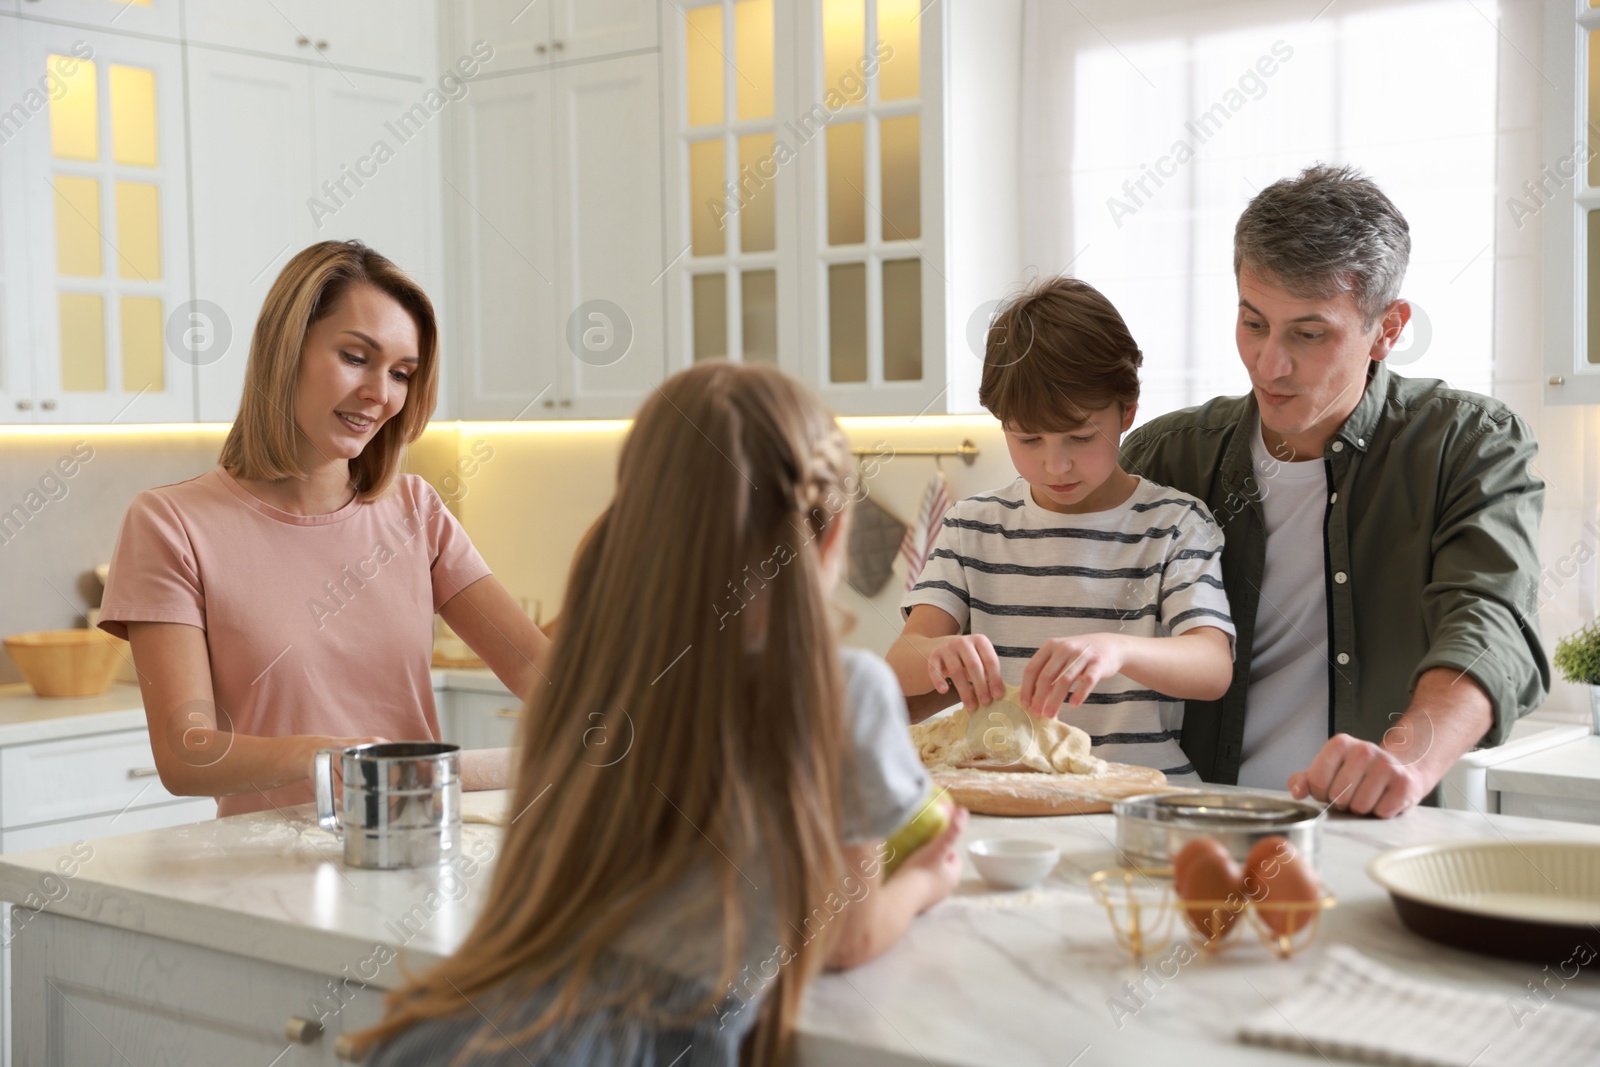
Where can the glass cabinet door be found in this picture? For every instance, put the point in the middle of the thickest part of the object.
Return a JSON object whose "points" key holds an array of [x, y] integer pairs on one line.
{"points": [[108, 251]]}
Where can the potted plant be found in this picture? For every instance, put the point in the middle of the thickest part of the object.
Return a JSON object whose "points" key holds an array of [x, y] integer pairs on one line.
{"points": [[1578, 659]]}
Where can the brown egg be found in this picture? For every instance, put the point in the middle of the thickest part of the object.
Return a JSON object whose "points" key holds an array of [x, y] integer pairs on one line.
{"points": [[1204, 871], [1276, 873]]}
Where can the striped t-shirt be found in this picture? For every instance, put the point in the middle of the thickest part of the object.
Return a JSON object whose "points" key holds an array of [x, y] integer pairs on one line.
{"points": [[1019, 574]]}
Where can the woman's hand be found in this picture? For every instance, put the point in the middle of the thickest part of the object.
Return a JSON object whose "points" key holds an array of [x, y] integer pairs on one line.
{"points": [[316, 744]]}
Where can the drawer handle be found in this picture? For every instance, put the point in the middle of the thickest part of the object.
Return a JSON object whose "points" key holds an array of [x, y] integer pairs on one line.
{"points": [[143, 772], [508, 713], [302, 1031]]}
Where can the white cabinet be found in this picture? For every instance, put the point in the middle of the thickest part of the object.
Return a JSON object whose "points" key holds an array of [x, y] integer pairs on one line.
{"points": [[327, 155], [535, 33], [392, 36], [135, 998], [841, 185], [157, 18], [31, 106], [484, 720], [100, 176], [556, 219]]}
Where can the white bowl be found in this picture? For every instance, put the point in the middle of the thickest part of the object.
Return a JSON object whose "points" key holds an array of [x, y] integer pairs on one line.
{"points": [[1013, 863]]}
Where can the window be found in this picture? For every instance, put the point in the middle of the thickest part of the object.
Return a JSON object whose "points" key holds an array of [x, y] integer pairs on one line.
{"points": [[1146, 135]]}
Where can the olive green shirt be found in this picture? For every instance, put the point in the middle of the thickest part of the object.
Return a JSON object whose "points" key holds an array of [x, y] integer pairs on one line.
{"points": [[1430, 538]]}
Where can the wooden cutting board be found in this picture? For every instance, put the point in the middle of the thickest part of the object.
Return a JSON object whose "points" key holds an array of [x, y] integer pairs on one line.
{"points": [[1025, 793]]}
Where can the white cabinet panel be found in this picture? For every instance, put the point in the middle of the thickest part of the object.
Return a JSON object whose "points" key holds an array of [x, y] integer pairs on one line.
{"points": [[584, 29], [501, 202], [486, 720], [389, 35], [157, 17], [77, 776], [132, 821], [28, 105], [1566, 809], [133, 277], [274, 27], [608, 196], [142, 999], [251, 183], [374, 157], [373, 35]]}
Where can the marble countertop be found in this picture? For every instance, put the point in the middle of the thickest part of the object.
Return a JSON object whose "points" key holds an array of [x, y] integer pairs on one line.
{"points": [[26, 717], [986, 979], [1569, 770]]}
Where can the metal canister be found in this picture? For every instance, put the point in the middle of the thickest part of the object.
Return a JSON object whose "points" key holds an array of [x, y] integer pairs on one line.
{"points": [[401, 802], [1154, 827]]}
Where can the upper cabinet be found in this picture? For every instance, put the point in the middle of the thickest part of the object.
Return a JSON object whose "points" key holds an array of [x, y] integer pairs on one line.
{"points": [[392, 36], [328, 154], [156, 18], [811, 191], [99, 172], [544, 32], [553, 188], [596, 193]]}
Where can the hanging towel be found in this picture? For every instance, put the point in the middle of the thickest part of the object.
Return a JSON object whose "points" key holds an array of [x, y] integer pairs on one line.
{"points": [[875, 537], [922, 533]]}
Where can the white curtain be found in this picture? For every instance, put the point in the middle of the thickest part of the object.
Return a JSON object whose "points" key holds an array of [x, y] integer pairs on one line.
{"points": [[1147, 128]]}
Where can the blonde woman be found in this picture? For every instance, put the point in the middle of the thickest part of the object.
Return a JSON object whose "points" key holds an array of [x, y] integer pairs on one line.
{"points": [[660, 906], [283, 601]]}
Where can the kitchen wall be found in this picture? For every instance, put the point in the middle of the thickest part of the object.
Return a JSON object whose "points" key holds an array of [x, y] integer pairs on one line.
{"points": [[47, 563]]}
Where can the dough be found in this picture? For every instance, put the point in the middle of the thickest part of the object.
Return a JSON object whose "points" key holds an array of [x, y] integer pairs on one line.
{"points": [[1005, 733]]}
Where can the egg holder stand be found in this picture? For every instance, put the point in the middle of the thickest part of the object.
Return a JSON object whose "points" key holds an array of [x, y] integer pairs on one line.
{"points": [[1139, 937]]}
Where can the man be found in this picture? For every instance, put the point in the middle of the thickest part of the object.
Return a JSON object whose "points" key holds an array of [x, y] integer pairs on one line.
{"points": [[1380, 558]]}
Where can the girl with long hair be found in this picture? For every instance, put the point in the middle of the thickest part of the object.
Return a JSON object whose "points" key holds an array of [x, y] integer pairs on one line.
{"points": [[664, 897]]}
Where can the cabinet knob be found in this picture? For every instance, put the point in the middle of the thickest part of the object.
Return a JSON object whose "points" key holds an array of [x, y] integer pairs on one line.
{"points": [[142, 772], [27, 405], [322, 46], [559, 45], [1556, 379], [301, 1031], [541, 49], [48, 405], [547, 403], [302, 41], [344, 1049], [565, 403]]}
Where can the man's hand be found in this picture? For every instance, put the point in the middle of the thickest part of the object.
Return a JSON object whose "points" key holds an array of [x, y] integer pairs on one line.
{"points": [[1448, 714], [969, 662], [1360, 777], [1070, 665]]}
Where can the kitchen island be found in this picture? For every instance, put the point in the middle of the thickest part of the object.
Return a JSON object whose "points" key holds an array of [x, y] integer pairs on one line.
{"points": [[241, 940]]}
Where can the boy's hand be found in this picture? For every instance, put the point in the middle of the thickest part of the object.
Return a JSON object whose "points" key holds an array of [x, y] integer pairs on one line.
{"points": [[967, 661], [1069, 665]]}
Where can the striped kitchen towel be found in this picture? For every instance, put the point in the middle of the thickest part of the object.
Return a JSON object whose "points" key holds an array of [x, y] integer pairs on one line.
{"points": [[924, 530], [1356, 1008]]}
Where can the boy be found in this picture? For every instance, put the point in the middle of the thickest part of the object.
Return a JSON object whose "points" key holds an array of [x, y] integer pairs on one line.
{"points": [[1098, 592]]}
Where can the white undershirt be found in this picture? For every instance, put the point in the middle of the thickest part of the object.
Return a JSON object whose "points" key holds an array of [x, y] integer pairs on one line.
{"points": [[1286, 712]]}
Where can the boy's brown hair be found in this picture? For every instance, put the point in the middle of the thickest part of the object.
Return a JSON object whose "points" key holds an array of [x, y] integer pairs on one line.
{"points": [[1056, 353]]}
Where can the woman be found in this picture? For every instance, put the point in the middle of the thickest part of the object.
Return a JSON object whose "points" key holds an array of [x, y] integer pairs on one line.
{"points": [[283, 601], [666, 905]]}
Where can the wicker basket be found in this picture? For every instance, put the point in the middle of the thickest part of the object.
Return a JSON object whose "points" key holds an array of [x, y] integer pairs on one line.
{"points": [[67, 663]]}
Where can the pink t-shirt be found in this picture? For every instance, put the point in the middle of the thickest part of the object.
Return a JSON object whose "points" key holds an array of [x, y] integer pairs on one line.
{"points": [[316, 624]]}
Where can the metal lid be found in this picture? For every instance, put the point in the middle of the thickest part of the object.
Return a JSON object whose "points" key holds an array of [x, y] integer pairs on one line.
{"points": [[1218, 809]]}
